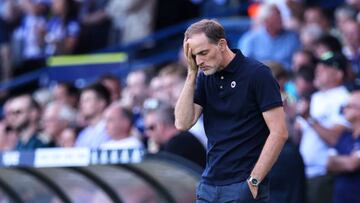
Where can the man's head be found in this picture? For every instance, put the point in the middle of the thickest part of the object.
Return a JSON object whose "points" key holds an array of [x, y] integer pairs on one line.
{"points": [[66, 93], [159, 123], [136, 89], [330, 71], [118, 121], [21, 112], [269, 16], [113, 84], [56, 118], [93, 101], [208, 45]]}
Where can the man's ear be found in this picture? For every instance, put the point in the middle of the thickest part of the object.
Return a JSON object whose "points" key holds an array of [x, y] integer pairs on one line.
{"points": [[222, 44]]}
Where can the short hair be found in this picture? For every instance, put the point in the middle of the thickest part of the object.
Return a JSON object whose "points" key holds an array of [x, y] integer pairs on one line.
{"points": [[100, 90], [333, 43], [213, 30], [265, 11], [164, 113], [306, 72]]}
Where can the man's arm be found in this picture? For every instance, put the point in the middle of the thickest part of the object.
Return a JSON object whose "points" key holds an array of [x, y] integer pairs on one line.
{"points": [[275, 120], [343, 164], [329, 135], [186, 111]]}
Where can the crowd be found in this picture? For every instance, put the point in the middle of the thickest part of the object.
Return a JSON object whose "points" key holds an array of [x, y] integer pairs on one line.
{"points": [[314, 53]]}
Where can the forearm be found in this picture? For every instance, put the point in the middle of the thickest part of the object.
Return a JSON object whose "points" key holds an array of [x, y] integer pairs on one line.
{"points": [[330, 136], [343, 164], [269, 155], [184, 108]]}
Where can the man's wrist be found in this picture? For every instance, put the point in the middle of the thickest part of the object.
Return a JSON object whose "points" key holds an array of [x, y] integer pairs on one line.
{"points": [[253, 181]]}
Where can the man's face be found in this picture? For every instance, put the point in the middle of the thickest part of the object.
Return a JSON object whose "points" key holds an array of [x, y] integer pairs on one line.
{"points": [[18, 113], [89, 104], [207, 56], [324, 76], [53, 125], [117, 125], [153, 128]]}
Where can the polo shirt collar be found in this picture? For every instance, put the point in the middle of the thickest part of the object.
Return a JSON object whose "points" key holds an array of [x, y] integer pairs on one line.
{"points": [[232, 67]]}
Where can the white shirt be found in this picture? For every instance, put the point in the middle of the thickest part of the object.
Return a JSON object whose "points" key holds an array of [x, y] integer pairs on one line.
{"points": [[325, 108], [92, 136]]}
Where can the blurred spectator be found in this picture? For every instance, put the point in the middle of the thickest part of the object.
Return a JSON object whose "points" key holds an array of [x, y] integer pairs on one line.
{"points": [[93, 101], [68, 137], [132, 19], [22, 116], [56, 118], [63, 28], [66, 93], [343, 14], [309, 34], [112, 83], [315, 15], [8, 138], [95, 26], [160, 127], [118, 127], [134, 95], [322, 126], [304, 81], [271, 41], [28, 52], [302, 58], [351, 49], [326, 43], [345, 162]]}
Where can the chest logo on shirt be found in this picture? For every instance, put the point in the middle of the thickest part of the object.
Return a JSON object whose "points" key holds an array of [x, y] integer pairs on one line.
{"points": [[233, 84]]}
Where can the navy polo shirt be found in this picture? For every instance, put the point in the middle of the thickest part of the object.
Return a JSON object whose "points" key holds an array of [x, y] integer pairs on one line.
{"points": [[233, 101]]}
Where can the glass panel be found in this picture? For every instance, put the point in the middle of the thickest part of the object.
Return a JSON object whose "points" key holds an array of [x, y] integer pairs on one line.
{"points": [[78, 188], [179, 182], [28, 187], [128, 186], [4, 198]]}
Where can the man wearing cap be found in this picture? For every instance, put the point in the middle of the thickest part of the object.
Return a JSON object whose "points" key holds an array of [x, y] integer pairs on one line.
{"points": [[322, 128]]}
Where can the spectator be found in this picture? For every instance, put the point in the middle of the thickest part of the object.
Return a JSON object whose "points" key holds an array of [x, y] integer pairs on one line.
{"points": [[112, 83], [304, 81], [23, 116], [56, 118], [8, 138], [66, 93], [133, 19], [302, 58], [93, 101], [118, 126], [322, 126], [271, 41], [68, 137], [160, 128], [351, 49], [63, 28], [345, 162], [316, 16]]}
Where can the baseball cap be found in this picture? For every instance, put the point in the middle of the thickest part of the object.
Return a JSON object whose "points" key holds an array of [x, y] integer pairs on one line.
{"points": [[334, 60]]}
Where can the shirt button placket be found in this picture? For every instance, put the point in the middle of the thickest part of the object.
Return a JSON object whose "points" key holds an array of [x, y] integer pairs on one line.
{"points": [[221, 83]]}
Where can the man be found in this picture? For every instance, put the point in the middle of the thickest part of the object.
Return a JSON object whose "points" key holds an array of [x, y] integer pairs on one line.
{"points": [[322, 126], [160, 128], [22, 117], [118, 126], [271, 41], [56, 118], [243, 116], [345, 162], [93, 101]]}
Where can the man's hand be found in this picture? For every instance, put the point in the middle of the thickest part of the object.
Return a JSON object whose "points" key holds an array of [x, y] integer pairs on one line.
{"points": [[254, 190], [190, 59]]}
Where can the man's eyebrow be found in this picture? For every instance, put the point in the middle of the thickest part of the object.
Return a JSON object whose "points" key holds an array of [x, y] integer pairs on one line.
{"points": [[201, 51]]}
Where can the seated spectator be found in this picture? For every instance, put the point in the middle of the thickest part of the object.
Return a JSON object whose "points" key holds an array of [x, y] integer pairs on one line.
{"points": [[63, 28], [118, 127], [161, 129], [68, 137], [22, 116], [8, 138], [112, 83], [345, 161], [271, 41], [93, 101], [66, 93], [56, 118]]}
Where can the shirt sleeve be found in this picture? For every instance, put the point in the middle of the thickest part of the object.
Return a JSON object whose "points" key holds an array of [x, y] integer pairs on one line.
{"points": [[266, 89], [199, 97]]}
